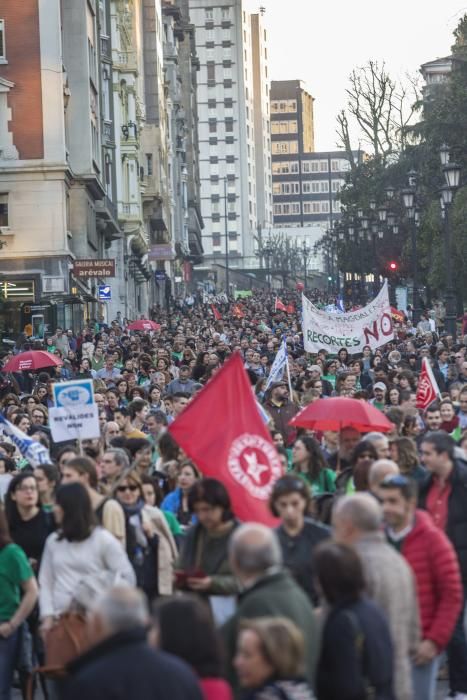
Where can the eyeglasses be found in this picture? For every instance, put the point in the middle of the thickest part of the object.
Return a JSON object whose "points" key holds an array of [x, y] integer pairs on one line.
{"points": [[27, 488], [129, 487]]}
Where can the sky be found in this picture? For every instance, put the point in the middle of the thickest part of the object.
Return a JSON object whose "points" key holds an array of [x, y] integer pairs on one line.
{"points": [[321, 41]]}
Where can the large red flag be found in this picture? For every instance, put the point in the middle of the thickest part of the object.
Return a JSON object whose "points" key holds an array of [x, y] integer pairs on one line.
{"points": [[222, 431], [427, 389], [279, 305], [290, 309]]}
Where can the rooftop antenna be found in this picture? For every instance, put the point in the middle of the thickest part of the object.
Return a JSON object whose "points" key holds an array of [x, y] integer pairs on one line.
{"points": [[262, 10]]}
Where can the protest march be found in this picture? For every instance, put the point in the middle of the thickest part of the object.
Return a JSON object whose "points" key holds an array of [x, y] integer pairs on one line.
{"points": [[257, 498]]}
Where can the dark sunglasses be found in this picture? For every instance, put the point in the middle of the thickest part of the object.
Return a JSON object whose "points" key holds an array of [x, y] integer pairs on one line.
{"points": [[130, 487]]}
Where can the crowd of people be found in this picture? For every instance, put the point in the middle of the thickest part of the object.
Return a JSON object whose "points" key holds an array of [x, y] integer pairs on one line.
{"points": [[126, 573]]}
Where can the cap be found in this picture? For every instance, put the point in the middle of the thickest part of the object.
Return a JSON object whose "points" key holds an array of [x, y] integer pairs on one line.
{"points": [[275, 385], [380, 385]]}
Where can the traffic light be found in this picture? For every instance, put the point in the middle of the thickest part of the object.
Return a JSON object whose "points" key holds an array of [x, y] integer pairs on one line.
{"points": [[393, 266]]}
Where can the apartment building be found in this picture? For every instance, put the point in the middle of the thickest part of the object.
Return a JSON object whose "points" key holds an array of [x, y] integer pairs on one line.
{"points": [[233, 88]]}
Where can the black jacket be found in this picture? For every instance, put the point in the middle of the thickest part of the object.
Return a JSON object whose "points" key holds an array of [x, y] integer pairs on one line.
{"points": [[297, 553], [124, 666], [456, 528], [356, 652]]}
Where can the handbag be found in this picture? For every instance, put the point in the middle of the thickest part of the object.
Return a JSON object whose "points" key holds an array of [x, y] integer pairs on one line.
{"points": [[66, 639]]}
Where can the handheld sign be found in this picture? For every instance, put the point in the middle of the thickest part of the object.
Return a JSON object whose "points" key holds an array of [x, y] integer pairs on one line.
{"points": [[75, 415]]}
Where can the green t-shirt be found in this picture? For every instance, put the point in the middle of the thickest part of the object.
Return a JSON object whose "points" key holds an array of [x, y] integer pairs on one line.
{"points": [[175, 527], [325, 483], [15, 569]]}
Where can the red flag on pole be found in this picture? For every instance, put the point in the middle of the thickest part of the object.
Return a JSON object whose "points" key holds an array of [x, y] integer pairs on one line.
{"points": [[279, 305], [222, 431], [427, 389], [238, 311], [216, 312], [290, 309]]}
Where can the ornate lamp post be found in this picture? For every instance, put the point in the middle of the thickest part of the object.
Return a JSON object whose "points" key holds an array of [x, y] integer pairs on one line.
{"points": [[452, 176], [408, 198]]}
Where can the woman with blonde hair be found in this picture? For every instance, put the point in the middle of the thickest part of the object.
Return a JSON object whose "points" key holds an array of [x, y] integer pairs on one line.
{"points": [[270, 660], [150, 544]]}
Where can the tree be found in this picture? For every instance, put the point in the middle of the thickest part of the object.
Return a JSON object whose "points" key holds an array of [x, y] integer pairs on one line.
{"points": [[380, 109]]}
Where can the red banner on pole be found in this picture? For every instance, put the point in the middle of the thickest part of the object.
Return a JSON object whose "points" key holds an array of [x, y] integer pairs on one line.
{"points": [[427, 389], [222, 431]]}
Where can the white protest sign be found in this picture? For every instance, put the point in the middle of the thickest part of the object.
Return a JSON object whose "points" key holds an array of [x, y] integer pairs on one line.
{"points": [[75, 416], [371, 325]]}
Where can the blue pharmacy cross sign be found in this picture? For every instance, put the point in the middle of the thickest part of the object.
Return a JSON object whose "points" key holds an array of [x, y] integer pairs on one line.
{"points": [[105, 292]]}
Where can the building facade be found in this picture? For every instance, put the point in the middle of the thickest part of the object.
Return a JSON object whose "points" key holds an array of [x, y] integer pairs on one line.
{"points": [[104, 167], [229, 91], [36, 237], [306, 184]]}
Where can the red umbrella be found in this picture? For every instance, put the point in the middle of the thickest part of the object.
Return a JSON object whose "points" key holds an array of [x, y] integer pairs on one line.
{"points": [[144, 325], [32, 360], [341, 412]]}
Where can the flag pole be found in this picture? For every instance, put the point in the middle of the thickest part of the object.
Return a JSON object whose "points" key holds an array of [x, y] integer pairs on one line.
{"points": [[288, 370]]}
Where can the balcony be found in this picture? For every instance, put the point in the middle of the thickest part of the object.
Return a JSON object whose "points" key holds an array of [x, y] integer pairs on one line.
{"points": [[126, 61], [129, 211]]}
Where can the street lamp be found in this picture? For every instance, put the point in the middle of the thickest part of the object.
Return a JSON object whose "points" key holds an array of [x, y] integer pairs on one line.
{"points": [[452, 176], [267, 252], [408, 198], [305, 251]]}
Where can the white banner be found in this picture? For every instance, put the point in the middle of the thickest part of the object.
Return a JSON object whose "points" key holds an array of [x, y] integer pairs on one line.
{"points": [[371, 325], [278, 366], [80, 423]]}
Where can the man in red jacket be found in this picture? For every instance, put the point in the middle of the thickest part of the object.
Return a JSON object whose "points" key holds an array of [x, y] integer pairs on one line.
{"points": [[433, 560]]}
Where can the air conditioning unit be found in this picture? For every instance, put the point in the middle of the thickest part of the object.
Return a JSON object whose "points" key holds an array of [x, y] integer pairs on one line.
{"points": [[53, 284]]}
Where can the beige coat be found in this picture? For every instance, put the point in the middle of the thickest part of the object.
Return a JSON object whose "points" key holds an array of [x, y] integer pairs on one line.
{"points": [[391, 585], [154, 523]]}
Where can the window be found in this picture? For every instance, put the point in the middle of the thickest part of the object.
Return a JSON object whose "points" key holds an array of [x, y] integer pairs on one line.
{"points": [[225, 13], [325, 207], [228, 103], [229, 125], [212, 126], [149, 164], [323, 166], [2, 41], [213, 140], [335, 166], [212, 104], [279, 147], [336, 185], [284, 127], [209, 14], [211, 72], [295, 207], [286, 188], [216, 240], [4, 210]]}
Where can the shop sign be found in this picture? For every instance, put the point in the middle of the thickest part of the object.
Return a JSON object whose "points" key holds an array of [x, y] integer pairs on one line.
{"points": [[161, 251], [94, 267], [105, 292]]}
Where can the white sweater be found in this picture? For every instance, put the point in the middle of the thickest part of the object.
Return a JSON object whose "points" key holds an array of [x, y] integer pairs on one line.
{"points": [[64, 564]]}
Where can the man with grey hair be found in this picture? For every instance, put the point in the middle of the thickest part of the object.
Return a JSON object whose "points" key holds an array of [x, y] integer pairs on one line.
{"points": [[379, 470], [115, 461], [267, 589], [357, 521], [121, 664], [380, 443]]}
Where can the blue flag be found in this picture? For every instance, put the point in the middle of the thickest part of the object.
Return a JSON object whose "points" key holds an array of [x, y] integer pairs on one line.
{"points": [[32, 450]]}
